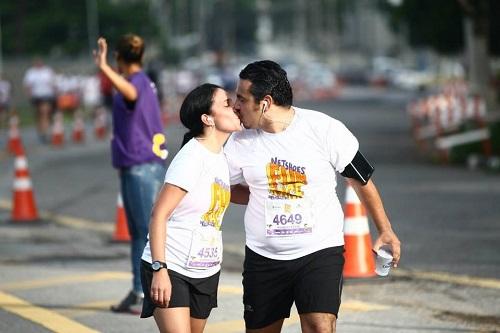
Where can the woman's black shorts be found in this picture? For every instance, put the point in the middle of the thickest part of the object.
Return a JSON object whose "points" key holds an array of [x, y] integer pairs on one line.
{"points": [[200, 295]]}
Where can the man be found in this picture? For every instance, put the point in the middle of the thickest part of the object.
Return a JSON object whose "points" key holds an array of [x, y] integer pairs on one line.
{"points": [[294, 241], [39, 82]]}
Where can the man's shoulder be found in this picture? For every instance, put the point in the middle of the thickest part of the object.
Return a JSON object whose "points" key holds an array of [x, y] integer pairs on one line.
{"points": [[312, 115], [315, 119]]}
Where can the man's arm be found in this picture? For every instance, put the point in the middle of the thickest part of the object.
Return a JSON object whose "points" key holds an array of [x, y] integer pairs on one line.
{"points": [[369, 196], [240, 194]]}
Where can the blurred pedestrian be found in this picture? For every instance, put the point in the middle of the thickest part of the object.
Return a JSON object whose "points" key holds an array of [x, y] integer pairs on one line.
{"points": [[288, 156], [136, 121], [5, 99], [186, 224], [68, 93], [40, 84]]}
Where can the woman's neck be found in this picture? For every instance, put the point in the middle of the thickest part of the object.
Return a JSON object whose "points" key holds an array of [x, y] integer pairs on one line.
{"points": [[213, 142], [131, 69]]}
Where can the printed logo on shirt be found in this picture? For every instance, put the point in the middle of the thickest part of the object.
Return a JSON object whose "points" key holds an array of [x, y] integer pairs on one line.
{"points": [[159, 139], [219, 201], [285, 179], [153, 87]]}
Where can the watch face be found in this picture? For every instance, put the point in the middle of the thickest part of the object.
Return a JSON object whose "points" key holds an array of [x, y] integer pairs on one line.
{"points": [[155, 266]]}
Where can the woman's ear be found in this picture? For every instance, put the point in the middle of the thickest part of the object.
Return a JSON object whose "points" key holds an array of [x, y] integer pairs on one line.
{"points": [[207, 120]]}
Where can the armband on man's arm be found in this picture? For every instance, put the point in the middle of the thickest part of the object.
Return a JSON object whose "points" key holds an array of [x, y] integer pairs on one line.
{"points": [[240, 194], [359, 169]]}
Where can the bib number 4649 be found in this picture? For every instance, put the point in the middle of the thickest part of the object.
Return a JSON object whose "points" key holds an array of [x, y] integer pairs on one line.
{"points": [[283, 219]]}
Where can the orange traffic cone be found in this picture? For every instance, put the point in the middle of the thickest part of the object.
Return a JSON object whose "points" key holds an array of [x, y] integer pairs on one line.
{"points": [[358, 254], [23, 208], [100, 124], [58, 130], [78, 134], [15, 145], [121, 233]]}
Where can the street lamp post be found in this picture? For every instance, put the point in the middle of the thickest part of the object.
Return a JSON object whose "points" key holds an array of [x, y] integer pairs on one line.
{"points": [[1, 57], [92, 23]]}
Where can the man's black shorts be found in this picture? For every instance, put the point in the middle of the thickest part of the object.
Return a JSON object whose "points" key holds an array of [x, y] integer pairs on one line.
{"points": [[200, 295], [313, 282]]}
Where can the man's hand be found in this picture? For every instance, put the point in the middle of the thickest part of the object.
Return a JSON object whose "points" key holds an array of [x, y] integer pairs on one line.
{"points": [[388, 237]]}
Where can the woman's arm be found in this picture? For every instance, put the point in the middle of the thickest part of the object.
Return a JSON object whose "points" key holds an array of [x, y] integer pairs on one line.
{"points": [[126, 88], [168, 198]]}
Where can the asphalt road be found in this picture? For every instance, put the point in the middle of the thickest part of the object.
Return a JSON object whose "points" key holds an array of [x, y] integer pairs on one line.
{"points": [[447, 218]]}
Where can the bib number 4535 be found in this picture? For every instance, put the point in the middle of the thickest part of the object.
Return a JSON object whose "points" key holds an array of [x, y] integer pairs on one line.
{"points": [[208, 252]]}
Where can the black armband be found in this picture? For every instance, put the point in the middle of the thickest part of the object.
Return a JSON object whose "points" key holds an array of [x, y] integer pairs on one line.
{"points": [[358, 169]]}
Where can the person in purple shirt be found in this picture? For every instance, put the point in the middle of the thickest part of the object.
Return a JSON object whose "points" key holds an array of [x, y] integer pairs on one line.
{"points": [[135, 147]]}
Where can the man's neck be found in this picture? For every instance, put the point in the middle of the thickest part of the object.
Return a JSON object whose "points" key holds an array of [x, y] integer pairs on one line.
{"points": [[277, 119]]}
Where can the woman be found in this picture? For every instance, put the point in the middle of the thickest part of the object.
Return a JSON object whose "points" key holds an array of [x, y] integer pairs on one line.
{"points": [[136, 121], [181, 261]]}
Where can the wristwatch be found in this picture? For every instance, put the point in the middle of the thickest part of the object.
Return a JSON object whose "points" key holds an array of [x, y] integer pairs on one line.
{"points": [[157, 265]]}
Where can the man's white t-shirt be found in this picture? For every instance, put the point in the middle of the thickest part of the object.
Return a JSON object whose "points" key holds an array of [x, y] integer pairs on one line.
{"points": [[40, 81], [293, 208], [194, 241]]}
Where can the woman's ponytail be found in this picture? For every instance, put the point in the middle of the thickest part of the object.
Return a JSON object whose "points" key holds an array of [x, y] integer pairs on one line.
{"points": [[187, 136]]}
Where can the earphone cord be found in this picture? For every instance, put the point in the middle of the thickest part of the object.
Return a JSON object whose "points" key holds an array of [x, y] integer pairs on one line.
{"points": [[275, 121]]}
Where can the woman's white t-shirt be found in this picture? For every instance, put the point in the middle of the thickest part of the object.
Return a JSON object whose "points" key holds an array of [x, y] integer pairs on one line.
{"points": [[293, 208], [194, 242]]}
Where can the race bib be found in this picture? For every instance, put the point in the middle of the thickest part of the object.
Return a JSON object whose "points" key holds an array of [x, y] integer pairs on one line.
{"points": [[206, 248], [288, 217]]}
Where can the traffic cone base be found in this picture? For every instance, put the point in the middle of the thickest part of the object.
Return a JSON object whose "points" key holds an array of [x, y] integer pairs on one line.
{"points": [[121, 233], [100, 124], [14, 145], [23, 203], [359, 261], [58, 130], [78, 134]]}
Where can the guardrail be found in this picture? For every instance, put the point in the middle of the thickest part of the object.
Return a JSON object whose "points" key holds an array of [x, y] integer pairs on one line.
{"points": [[447, 120]]}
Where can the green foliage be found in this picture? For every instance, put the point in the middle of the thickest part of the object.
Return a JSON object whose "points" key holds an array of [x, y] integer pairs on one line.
{"points": [[48, 26], [437, 24], [494, 28], [244, 15]]}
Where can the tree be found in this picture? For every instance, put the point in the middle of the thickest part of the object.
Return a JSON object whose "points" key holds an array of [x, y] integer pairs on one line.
{"points": [[452, 27], [59, 26]]}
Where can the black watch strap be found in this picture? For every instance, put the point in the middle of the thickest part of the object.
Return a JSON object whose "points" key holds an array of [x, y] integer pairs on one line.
{"points": [[157, 265]]}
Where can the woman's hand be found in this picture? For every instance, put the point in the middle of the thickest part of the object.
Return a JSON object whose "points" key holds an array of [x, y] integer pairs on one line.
{"points": [[161, 288], [101, 53]]}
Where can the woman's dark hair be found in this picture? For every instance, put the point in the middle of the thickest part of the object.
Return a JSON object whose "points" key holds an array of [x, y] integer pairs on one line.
{"points": [[268, 78], [130, 48], [197, 103]]}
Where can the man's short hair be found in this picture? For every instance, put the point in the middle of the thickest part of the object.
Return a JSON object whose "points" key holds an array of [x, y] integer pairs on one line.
{"points": [[268, 78]]}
